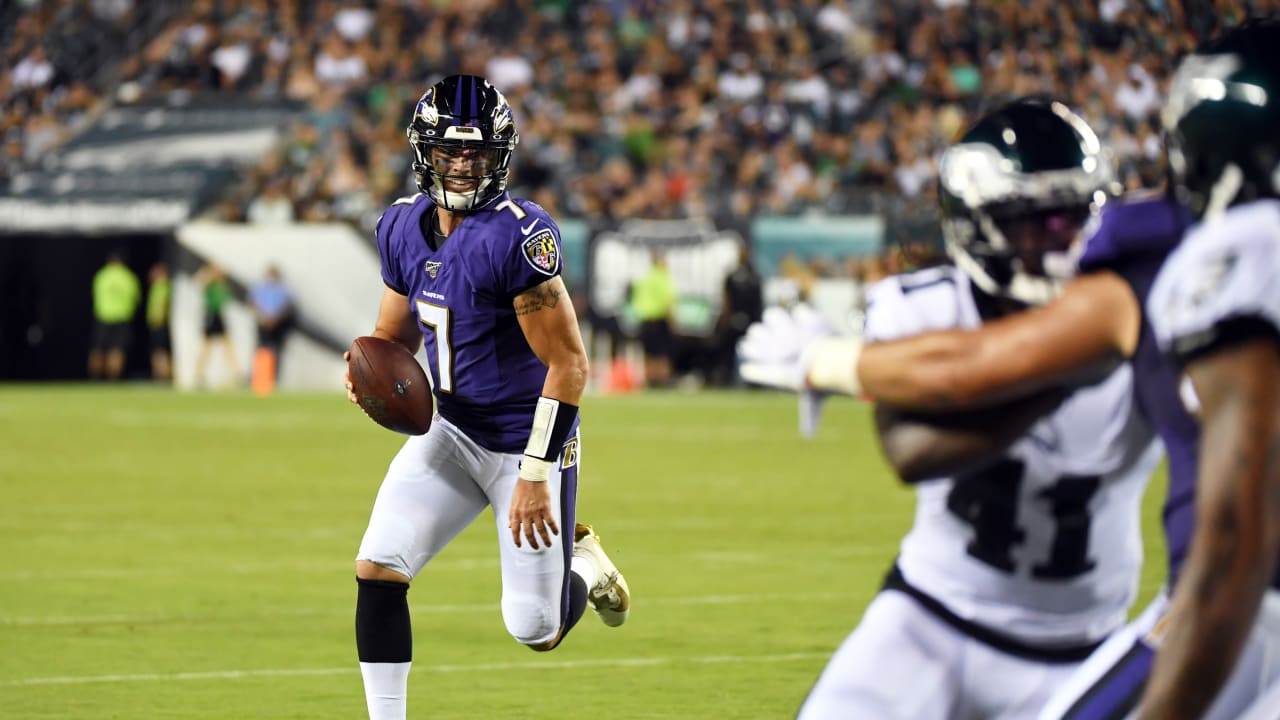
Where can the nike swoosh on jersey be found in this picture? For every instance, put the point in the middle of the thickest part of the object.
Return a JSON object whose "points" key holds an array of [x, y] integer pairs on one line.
{"points": [[529, 229]]}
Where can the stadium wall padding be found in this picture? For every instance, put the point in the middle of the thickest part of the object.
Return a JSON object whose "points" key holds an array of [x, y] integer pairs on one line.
{"points": [[331, 271]]}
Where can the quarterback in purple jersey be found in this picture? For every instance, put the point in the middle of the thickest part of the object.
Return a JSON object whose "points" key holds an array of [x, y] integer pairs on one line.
{"points": [[475, 275]]}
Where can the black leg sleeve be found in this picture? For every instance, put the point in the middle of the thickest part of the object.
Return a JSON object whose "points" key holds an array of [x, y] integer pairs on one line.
{"points": [[383, 632]]}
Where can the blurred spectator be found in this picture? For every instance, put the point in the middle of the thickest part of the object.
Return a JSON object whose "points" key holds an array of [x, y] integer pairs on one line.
{"points": [[272, 207], [159, 300], [1137, 96], [217, 291], [704, 108], [338, 65], [33, 71], [353, 22], [508, 69], [740, 83], [653, 299], [273, 313], [115, 300], [741, 303]]}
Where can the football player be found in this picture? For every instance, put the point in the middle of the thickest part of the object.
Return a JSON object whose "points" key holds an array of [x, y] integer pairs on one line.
{"points": [[476, 274], [1025, 550], [1215, 309], [1107, 314]]}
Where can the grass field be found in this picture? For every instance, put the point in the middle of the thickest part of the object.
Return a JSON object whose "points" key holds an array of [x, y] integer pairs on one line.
{"points": [[190, 556]]}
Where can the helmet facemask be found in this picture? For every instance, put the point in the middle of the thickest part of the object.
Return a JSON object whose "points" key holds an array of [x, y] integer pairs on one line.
{"points": [[1021, 254], [459, 176]]}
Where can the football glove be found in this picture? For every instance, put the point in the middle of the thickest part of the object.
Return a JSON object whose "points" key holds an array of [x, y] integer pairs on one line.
{"points": [[774, 350]]}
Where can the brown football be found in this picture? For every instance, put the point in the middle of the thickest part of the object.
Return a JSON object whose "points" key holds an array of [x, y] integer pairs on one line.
{"points": [[390, 385]]}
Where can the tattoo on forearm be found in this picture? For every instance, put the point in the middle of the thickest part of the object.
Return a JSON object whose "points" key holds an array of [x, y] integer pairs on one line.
{"points": [[543, 296]]}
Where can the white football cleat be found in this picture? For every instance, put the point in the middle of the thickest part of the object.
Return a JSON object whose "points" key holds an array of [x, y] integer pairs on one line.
{"points": [[609, 598]]}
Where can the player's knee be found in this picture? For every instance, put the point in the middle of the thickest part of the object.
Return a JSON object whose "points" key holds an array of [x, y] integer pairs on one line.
{"points": [[369, 570], [531, 621], [547, 646]]}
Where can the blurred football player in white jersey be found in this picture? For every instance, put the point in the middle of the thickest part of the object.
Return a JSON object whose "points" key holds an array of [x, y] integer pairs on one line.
{"points": [[1215, 309], [1026, 544]]}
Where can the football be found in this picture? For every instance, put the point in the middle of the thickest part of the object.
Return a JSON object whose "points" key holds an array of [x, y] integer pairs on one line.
{"points": [[390, 385]]}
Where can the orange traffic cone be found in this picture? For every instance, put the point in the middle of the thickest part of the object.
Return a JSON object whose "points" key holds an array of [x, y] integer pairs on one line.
{"points": [[264, 372], [621, 379]]}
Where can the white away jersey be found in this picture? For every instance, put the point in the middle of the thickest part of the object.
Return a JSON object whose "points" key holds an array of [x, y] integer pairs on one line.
{"points": [[1043, 545], [1225, 271]]}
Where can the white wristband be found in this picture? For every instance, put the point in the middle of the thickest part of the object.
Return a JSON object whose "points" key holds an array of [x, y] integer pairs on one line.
{"points": [[535, 469], [544, 421], [833, 365]]}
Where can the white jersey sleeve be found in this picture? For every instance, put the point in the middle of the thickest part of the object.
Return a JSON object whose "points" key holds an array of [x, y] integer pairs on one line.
{"points": [[1223, 280], [904, 305]]}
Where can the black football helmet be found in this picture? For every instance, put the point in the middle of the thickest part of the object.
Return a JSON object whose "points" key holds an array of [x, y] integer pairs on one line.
{"points": [[462, 135], [1015, 192], [1222, 120]]}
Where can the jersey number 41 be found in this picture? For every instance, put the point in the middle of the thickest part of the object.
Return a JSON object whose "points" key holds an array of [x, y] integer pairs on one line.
{"points": [[988, 501]]}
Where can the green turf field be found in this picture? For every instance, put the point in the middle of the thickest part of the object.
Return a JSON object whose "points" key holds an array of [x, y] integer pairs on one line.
{"points": [[190, 556]]}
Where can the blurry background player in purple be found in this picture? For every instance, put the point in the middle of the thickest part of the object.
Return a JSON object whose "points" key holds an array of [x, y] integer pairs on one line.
{"points": [[1107, 314], [475, 274]]}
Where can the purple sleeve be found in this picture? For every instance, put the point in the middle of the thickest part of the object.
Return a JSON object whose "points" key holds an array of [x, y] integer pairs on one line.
{"points": [[529, 259], [387, 244], [1128, 230], [1100, 247]]}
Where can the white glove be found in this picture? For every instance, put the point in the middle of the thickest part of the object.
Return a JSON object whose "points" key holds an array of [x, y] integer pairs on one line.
{"points": [[773, 352], [799, 351]]}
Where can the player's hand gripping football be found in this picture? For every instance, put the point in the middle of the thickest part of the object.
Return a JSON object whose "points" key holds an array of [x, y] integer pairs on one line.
{"points": [[346, 378], [530, 514]]}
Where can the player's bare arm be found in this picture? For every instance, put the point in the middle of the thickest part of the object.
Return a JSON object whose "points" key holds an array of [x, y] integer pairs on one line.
{"points": [[921, 447], [1082, 334], [542, 297], [550, 326], [394, 323], [1237, 538]]}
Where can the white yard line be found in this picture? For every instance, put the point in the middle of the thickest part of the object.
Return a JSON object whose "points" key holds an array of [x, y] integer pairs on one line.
{"points": [[884, 551], [148, 618], [477, 668], [236, 569]]}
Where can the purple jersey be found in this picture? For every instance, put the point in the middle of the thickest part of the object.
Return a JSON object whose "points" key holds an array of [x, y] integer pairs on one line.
{"points": [[1133, 239], [485, 377]]}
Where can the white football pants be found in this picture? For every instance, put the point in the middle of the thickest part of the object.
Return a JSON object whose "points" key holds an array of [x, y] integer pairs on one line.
{"points": [[441, 481], [903, 662]]}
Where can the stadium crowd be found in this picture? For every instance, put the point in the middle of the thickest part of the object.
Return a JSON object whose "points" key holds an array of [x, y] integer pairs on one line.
{"points": [[626, 108]]}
